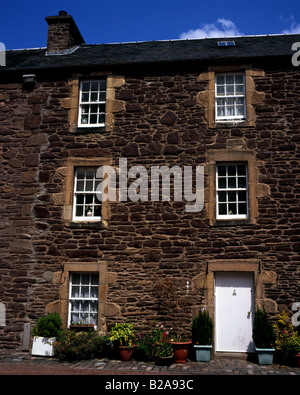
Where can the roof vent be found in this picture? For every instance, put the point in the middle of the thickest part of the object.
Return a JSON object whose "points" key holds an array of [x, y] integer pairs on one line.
{"points": [[226, 43]]}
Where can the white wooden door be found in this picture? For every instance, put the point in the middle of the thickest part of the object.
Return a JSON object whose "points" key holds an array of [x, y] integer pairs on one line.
{"points": [[234, 309]]}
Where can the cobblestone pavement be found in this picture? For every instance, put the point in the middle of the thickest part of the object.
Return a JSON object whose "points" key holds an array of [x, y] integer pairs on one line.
{"points": [[25, 364]]}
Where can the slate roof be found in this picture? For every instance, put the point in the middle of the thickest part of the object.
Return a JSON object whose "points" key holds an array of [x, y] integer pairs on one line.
{"points": [[151, 52]]}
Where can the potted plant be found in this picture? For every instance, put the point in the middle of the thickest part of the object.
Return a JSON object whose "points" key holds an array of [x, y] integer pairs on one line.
{"points": [[202, 335], [263, 337], [122, 335], [287, 339], [44, 333], [164, 354]]}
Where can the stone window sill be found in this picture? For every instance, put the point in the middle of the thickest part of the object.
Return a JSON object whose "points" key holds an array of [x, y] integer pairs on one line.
{"points": [[85, 130], [85, 225], [231, 222]]}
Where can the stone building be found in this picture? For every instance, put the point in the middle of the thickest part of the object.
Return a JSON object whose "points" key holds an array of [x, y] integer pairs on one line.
{"points": [[225, 108]]}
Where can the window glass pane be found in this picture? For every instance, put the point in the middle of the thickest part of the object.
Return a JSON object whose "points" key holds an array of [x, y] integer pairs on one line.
{"points": [[80, 173], [229, 90], [75, 278], [221, 111], [102, 96], [97, 210], [232, 208], [102, 85], [240, 110], [75, 305], [85, 279], [239, 79], [80, 186], [242, 182], [75, 291], [85, 86], [84, 318], [85, 97], [231, 170], [94, 279], [90, 172], [222, 183], [220, 79], [84, 119], [94, 96], [84, 292], [74, 318], [93, 118], [242, 196], [239, 89], [222, 196], [222, 170], [242, 208], [94, 108], [89, 199], [241, 169], [94, 86], [85, 109], [93, 319], [231, 182], [220, 90], [93, 306], [231, 196], [223, 209], [229, 79], [79, 211], [80, 199], [89, 185]]}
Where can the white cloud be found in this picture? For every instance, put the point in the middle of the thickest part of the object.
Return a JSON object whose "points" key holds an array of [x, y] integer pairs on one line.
{"points": [[221, 28], [294, 28]]}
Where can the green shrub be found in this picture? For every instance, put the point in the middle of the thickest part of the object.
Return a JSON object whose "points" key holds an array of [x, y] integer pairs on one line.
{"points": [[263, 332], [74, 346], [48, 326], [123, 334], [202, 329]]}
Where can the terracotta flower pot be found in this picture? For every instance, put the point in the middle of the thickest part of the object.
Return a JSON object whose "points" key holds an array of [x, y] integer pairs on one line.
{"points": [[181, 351], [125, 353]]}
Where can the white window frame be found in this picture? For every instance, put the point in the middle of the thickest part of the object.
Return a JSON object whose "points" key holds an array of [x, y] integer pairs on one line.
{"points": [[84, 314], [88, 102], [227, 190], [234, 97], [88, 207]]}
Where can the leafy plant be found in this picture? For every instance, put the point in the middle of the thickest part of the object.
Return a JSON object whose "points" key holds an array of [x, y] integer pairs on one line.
{"points": [[48, 326], [202, 329], [263, 333], [148, 342], [73, 346], [123, 333], [164, 350], [287, 338]]}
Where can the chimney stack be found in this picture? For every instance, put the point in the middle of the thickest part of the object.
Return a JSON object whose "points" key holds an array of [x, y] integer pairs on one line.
{"points": [[63, 32]]}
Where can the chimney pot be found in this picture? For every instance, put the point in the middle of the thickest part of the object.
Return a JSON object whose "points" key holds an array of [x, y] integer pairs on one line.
{"points": [[62, 13]]}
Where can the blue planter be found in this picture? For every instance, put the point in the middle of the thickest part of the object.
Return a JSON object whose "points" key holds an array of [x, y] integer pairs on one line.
{"points": [[202, 353], [265, 355]]}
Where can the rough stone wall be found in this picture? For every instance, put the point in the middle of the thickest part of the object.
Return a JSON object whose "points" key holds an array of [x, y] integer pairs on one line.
{"points": [[162, 122]]}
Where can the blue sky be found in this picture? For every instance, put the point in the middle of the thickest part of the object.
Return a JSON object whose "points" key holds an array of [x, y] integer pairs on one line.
{"points": [[23, 25]]}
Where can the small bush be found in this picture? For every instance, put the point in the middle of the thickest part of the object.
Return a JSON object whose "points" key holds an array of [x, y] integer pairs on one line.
{"points": [[74, 346], [263, 332], [202, 329], [48, 326]]}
